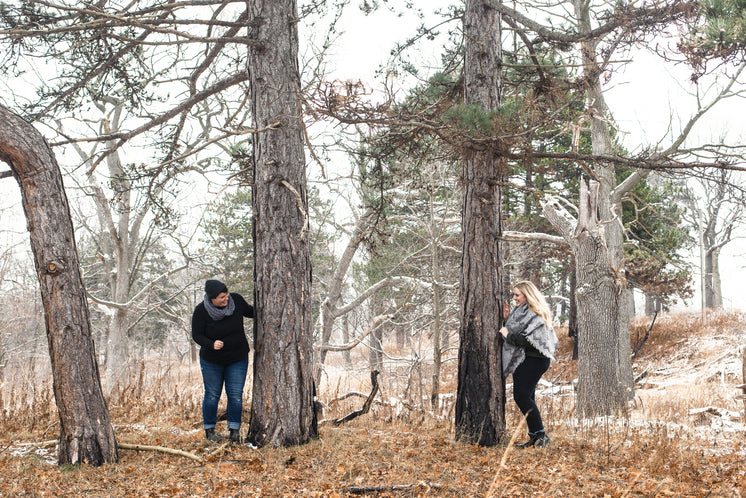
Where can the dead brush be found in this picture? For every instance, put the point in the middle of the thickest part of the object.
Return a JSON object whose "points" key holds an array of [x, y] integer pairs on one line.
{"points": [[27, 406], [671, 330], [158, 393]]}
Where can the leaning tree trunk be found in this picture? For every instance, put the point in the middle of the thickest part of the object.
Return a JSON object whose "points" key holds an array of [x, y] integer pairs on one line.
{"points": [[282, 410], [86, 434], [480, 396]]}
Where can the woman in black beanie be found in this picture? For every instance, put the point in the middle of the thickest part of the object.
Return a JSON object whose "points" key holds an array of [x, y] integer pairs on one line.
{"points": [[217, 326]]}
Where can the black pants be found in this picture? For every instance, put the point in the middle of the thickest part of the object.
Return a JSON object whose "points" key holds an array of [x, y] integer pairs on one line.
{"points": [[525, 379]]}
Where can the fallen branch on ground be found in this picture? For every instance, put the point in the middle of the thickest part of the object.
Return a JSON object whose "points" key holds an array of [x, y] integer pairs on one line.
{"points": [[385, 488], [219, 449], [162, 449], [42, 444]]}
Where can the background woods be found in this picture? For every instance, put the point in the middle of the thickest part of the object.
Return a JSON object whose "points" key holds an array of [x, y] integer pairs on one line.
{"points": [[377, 221]]}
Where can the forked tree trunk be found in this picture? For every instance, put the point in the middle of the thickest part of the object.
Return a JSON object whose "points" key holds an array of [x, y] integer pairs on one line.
{"points": [[282, 410], [86, 434], [602, 387], [603, 300], [480, 396]]}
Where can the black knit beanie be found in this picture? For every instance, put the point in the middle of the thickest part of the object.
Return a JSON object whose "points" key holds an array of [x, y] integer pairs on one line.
{"points": [[214, 287]]}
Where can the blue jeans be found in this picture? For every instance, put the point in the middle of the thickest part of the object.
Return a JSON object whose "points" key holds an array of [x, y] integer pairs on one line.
{"points": [[234, 378]]}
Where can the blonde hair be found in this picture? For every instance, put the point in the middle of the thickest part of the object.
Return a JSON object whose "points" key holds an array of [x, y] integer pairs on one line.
{"points": [[536, 301]]}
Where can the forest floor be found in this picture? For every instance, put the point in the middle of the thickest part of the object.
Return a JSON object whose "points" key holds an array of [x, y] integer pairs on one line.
{"points": [[684, 436]]}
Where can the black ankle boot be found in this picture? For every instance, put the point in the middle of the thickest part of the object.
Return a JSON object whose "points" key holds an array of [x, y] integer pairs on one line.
{"points": [[527, 444], [535, 439], [234, 436], [542, 440], [211, 436]]}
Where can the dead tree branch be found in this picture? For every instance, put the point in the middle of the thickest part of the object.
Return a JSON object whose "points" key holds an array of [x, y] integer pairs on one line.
{"points": [[368, 402], [161, 449], [388, 488]]}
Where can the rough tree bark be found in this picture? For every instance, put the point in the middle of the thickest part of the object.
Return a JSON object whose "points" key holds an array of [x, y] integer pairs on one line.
{"points": [[600, 389], [86, 434], [480, 396], [282, 410]]}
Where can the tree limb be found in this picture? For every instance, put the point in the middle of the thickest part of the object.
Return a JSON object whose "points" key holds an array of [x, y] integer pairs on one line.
{"points": [[377, 322], [630, 19], [150, 285], [527, 237], [161, 449]]}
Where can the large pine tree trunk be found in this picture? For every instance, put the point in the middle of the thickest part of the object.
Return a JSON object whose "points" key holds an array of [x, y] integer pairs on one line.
{"points": [[86, 434], [480, 397], [282, 411]]}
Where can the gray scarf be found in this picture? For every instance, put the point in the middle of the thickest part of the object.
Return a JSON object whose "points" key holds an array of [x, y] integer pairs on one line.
{"points": [[525, 322], [219, 313]]}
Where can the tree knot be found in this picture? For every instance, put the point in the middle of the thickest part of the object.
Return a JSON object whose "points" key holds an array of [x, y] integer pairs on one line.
{"points": [[54, 267]]}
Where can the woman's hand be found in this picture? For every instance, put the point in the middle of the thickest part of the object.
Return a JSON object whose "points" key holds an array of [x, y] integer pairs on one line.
{"points": [[504, 332], [506, 310], [217, 345]]}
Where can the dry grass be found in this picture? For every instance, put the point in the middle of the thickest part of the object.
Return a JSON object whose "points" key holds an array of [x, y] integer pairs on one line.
{"points": [[660, 450]]}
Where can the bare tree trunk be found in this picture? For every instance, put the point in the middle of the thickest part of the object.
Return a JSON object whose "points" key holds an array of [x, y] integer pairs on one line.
{"points": [[329, 310], [282, 410], [709, 293], [86, 434], [717, 289], [118, 348], [375, 355], [480, 397], [650, 305], [572, 320], [436, 327], [345, 340]]}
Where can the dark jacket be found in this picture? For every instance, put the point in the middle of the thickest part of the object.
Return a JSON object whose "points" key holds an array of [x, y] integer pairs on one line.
{"points": [[230, 330]]}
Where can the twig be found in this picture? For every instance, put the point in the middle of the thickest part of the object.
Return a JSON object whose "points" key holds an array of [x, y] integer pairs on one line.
{"points": [[219, 449], [638, 346], [385, 488], [504, 458], [162, 449]]}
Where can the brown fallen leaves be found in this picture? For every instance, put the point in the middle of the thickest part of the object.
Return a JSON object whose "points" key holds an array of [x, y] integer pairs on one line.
{"points": [[395, 459]]}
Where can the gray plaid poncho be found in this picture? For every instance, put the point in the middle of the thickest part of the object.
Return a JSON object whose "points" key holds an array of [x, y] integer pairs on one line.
{"points": [[531, 326]]}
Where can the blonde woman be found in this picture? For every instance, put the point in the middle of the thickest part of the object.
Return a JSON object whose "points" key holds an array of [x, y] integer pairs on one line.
{"points": [[528, 349]]}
